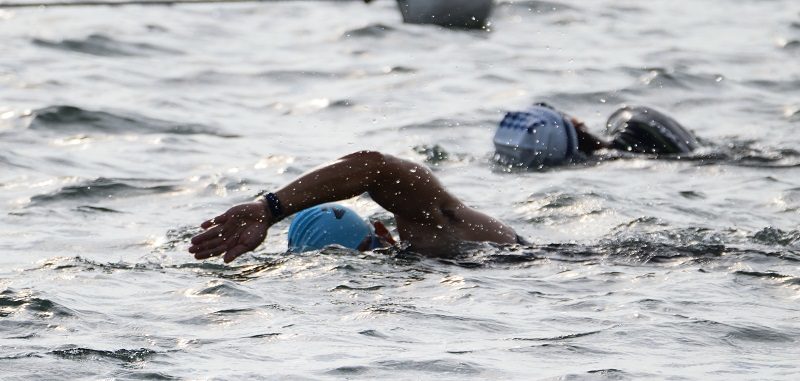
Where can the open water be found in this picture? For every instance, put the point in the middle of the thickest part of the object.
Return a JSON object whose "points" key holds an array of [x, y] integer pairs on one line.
{"points": [[122, 128]]}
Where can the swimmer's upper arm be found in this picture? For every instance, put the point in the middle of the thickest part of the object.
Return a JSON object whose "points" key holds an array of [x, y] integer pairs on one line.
{"points": [[416, 197], [409, 190]]}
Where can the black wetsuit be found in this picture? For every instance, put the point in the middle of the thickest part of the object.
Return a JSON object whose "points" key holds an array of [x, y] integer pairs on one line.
{"points": [[642, 129]]}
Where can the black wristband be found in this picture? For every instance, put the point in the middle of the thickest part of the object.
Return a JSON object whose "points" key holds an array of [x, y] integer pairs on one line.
{"points": [[272, 203]]}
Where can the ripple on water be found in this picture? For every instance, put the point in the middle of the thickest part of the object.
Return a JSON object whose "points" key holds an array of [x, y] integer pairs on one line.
{"points": [[239, 273], [783, 280], [783, 86], [371, 31], [143, 375], [554, 206], [15, 302], [559, 337], [560, 349], [757, 333], [225, 288], [774, 236], [293, 75], [72, 119], [100, 189], [481, 324], [105, 46], [430, 366], [119, 355], [534, 6], [670, 78], [792, 46], [80, 264]]}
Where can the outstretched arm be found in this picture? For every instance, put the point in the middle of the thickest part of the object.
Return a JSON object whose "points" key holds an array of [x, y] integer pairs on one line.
{"points": [[408, 190]]}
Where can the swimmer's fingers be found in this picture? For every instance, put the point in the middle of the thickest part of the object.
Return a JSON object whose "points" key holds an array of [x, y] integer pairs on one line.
{"points": [[239, 230], [207, 245], [225, 231], [235, 252], [215, 247], [218, 220], [207, 235], [210, 253]]}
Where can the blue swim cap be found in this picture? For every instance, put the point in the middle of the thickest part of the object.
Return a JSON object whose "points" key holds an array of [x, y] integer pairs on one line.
{"points": [[539, 136], [327, 224]]}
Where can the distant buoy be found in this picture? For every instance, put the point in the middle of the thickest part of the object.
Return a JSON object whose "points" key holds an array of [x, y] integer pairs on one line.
{"points": [[472, 14]]}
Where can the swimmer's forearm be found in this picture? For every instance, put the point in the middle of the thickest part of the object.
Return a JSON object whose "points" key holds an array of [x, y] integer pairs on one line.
{"points": [[342, 179], [402, 187]]}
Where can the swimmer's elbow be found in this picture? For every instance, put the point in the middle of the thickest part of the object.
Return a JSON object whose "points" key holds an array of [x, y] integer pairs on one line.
{"points": [[375, 161], [366, 156]]}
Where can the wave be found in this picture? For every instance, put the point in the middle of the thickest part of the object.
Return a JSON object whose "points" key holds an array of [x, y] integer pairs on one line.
{"points": [[243, 272], [371, 31], [565, 349], [782, 279], [646, 79], [430, 366], [13, 302], [72, 119], [748, 154], [656, 248], [105, 46], [661, 78], [122, 355], [773, 236], [287, 76], [433, 154], [88, 209], [82, 264], [448, 367], [535, 6], [102, 189], [344, 287], [756, 333], [785, 86], [558, 338], [230, 289], [791, 46], [7, 162]]}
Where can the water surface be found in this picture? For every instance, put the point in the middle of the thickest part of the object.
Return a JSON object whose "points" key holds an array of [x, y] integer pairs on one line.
{"points": [[123, 128]]}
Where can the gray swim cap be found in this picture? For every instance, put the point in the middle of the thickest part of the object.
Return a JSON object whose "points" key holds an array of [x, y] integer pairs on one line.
{"points": [[537, 137]]}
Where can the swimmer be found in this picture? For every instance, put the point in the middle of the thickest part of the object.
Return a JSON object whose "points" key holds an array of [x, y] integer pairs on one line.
{"points": [[429, 218], [469, 14], [542, 136]]}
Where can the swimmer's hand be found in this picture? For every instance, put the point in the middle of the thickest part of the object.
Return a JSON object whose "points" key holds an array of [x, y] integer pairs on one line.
{"points": [[239, 230]]}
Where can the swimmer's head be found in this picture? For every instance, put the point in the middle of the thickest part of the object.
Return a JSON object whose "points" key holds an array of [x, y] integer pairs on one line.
{"points": [[537, 137], [330, 224], [645, 130]]}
